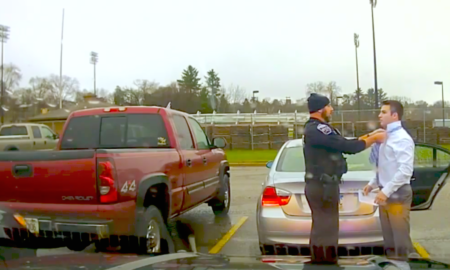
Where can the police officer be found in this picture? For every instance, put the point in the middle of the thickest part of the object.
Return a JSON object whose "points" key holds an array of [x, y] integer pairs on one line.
{"points": [[325, 165]]}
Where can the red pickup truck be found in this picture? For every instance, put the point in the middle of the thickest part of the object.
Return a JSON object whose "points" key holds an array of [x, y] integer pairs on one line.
{"points": [[117, 176]]}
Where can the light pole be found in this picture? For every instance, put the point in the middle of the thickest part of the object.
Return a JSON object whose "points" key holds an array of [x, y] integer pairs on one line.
{"points": [[342, 115], [425, 111], [373, 3], [356, 42], [254, 92], [4, 34], [60, 61], [443, 105], [94, 61]]}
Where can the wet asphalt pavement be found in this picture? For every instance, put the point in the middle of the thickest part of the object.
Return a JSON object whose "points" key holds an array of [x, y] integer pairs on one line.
{"points": [[208, 229], [429, 228]]}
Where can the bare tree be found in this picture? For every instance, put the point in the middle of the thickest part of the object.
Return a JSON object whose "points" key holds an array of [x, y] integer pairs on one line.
{"points": [[11, 76], [41, 88], [144, 89], [23, 96], [403, 100], [331, 90], [316, 87], [146, 86], [237, 94], [109, 98], [69, 86]]}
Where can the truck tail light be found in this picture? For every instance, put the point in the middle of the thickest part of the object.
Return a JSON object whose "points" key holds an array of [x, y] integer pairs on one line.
{"points": [[106, 181], [275, 197], [117, 109]]}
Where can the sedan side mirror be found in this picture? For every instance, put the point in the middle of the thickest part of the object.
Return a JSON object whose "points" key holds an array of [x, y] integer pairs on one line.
{"points": [[269, 164], [219, 142], [55, 136]]}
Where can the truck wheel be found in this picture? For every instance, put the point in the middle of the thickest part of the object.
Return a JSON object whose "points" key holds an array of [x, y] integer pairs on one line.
{"points": [[154, 238], [221, 204], [102, 245], [77, 245]]}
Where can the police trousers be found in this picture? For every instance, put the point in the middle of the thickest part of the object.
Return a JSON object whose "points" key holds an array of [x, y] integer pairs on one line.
{"points": [[324, 234]]}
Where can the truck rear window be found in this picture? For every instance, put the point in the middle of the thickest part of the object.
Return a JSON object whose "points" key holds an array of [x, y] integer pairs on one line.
{"points": [[13, 131], [118, 131]]}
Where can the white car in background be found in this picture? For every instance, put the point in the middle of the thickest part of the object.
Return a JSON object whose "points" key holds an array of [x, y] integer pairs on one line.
{"points": [[284, 217]]}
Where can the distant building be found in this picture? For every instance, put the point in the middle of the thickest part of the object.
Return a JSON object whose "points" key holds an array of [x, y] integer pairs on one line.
{"points": [[55, 119]]}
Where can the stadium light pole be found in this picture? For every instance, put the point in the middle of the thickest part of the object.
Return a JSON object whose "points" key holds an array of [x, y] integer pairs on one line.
{"points": [[356, 42], [94, 61], [373, 3]]}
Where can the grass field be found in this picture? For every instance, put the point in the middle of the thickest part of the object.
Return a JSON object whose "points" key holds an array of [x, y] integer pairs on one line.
{"points": [[250, 156], [262, 156]]}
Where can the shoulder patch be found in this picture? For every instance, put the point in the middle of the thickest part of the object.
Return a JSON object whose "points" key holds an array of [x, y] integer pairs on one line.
{"points": [[324, 129]]}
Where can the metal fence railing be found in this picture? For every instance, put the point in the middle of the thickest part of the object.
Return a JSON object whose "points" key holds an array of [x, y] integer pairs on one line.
{"points": [[410, 114], [424, 125]]}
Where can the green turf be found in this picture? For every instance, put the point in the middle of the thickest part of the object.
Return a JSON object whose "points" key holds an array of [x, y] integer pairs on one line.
{"points": [[250, 156]]}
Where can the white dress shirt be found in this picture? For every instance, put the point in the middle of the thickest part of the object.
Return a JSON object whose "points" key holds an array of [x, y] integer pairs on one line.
{"points": [[395, 160]]}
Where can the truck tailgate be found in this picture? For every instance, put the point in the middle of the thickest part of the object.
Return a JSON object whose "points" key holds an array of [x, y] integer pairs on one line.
{"points": [[67, 177]]}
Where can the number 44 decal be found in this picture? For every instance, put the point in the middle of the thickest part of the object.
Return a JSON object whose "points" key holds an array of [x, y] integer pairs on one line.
{"points": [[128, 186]]}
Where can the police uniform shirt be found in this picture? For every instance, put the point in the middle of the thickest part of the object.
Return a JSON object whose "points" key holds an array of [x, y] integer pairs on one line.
{"points": [[323, 149]]}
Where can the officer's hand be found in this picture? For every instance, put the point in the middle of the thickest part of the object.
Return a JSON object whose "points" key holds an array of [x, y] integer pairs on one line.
{"points": [[380, 136], [376, 131], [365, 136], [367, 189]]}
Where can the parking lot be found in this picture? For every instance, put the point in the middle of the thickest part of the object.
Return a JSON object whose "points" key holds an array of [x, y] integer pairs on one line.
{"points": [[236, 234]]}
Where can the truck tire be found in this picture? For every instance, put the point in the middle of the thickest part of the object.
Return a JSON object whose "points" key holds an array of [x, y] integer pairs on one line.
{"points": [[153, 236], [102, 245], [221, 203], [77, 245]]}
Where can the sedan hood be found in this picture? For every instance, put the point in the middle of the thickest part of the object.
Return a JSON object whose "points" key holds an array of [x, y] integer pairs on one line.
{"points": [[193, 260]]}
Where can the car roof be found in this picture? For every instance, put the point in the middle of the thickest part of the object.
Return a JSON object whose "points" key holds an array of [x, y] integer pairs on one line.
{"points": [[299, 142], [129, 109]]}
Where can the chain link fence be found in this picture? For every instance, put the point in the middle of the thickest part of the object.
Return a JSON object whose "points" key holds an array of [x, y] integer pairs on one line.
{"points": [[270, 131]]}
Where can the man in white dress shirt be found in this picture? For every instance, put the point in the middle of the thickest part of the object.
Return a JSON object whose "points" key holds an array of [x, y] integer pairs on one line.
{"points": [[395, 168]]}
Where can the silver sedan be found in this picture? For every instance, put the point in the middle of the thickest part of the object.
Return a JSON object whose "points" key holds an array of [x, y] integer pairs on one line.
{"points": [[284, 217]]}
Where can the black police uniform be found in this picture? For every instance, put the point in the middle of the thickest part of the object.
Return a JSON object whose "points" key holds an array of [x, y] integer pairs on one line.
{"points": [[325, 165]]}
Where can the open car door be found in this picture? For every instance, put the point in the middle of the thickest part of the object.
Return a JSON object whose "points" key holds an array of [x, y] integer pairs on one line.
{"points": [[431, 172]]}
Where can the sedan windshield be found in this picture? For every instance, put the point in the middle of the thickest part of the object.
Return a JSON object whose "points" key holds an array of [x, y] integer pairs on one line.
{"points": [[292, 160]]}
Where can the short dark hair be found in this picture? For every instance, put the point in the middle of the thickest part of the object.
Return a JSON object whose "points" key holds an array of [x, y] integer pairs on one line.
{"points": [[396, 107]]}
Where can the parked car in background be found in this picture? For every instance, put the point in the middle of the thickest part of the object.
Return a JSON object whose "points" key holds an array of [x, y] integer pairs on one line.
{"points": [[284, 217], [27, 137], [117, 176]]}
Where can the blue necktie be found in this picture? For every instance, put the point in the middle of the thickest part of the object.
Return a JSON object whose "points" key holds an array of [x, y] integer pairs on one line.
{"points": [[374, 153]]}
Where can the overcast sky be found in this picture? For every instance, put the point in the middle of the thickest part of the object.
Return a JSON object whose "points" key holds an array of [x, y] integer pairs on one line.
{"points": [[276, 47]]}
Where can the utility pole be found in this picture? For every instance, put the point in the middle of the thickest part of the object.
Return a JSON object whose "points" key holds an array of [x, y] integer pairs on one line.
{"points": [[60, 63], [373, 3], [356, 42], [4, 34], [94, 60]]}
